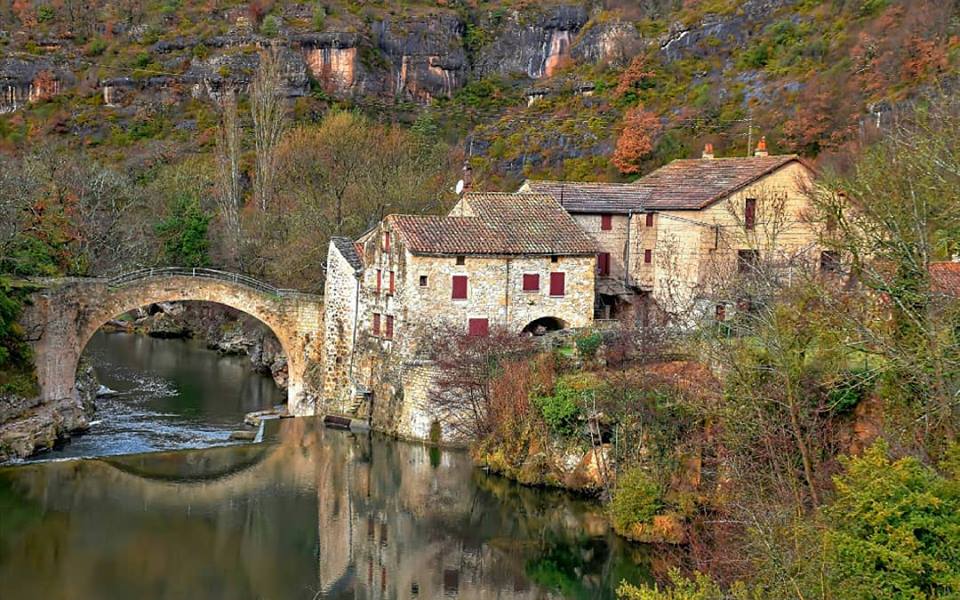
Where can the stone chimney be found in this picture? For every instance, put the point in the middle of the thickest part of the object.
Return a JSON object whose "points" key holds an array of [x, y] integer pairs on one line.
{"points": [[707, 151], [467, 176], [761, 147]]}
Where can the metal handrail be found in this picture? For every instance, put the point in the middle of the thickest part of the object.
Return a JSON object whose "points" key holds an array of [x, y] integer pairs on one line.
{"points": [[202, 273]]}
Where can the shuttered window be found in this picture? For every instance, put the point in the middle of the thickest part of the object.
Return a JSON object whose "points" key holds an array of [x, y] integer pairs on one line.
{"points": [[558, 284], [459, 287], [478, 327], [379, 280], [531, 282], [376, 323], [606, 222], [386, 241], [648, 256], [392, 287], [649, 219], [390, 327], [603, 263], [750, 213]]}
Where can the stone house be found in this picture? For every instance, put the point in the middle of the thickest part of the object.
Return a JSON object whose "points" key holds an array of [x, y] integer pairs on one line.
{"points": [[672, 239], [512, 261]]}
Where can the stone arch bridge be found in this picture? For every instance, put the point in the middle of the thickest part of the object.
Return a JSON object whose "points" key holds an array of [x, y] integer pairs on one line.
{"points": [[62, 315]]}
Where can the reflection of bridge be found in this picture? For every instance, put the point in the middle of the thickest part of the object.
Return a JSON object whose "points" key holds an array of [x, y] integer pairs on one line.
{"points": [[64, 313]]}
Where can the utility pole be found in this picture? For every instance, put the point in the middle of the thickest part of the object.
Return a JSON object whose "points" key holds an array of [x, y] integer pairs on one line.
{"points": [[750, 134]]}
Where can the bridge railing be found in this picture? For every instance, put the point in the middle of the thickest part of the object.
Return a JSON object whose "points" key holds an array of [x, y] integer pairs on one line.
{"points": [[203, 273]]}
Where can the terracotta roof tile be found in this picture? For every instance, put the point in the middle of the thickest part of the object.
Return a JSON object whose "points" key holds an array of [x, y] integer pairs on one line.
{"points": [[693, 184], [687, 184], [945, 278], [587, 197], [504, 224]]}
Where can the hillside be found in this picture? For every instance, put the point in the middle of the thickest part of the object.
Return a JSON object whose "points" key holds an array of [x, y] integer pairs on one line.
{"points": [[525, 87]]}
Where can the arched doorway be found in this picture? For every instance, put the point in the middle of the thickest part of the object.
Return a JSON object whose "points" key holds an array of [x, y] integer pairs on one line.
{"points": [[544, 325]]}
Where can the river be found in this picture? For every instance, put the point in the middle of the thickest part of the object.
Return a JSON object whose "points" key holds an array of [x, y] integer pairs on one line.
{"points": [[310, 513]]}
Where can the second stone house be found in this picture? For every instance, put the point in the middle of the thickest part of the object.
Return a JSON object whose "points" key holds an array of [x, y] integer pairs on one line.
{"points": [[516, 262]]}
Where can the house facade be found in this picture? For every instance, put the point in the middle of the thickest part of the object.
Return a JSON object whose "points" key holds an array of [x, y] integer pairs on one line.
{"points": [[674, 238], [499, 261]]}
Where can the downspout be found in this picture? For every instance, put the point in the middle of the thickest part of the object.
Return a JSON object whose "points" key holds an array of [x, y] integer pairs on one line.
{"points": [[626, 254]]}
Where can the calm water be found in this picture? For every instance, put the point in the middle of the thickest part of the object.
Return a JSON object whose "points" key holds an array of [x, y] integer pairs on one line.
{"points": [[170, 394], [312, 513]]}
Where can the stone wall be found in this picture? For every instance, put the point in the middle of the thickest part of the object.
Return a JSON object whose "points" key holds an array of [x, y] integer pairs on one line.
{"points": [[341, 296]]}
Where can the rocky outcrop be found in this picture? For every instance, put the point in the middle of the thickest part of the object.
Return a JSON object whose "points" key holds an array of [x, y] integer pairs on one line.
{"points": [[28, 426], [27, 80], [427, 56]]}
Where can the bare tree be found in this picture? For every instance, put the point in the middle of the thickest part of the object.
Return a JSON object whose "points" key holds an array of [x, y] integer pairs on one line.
{"points": [[269, 113], [229, 189]]}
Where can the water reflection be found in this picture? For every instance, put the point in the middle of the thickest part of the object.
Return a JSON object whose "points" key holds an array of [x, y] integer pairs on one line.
{"points": [[170, 394], [318, 514]]}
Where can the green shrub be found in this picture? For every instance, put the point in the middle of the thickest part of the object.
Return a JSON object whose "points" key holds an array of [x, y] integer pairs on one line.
{"points": [[96, 47], [589, 343], [561, 411], [636, 499], [894, 530], [45, 13], [319, 17], [184, 233], [270, 26], [845, 394]]}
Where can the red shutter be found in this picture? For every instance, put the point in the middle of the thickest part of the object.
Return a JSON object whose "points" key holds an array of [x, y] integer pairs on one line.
{"points": [[606, 222], [390, 326], [603, 263], [379, 280], [750, 213], [386, 241], [531, 282], [478, 327], [376, 323], [459, 287], [557, 284], [392, 284], [649, 219], [648, 256]]}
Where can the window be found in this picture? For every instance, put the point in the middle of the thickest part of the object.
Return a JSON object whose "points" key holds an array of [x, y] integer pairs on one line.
{"points": [[379, 280], [423, 281], [750, 213], [603, 264], [478, 327], [389, 327], [747, 260], [386, 241], [531, 282], [459, 287], [647, 256], [649, 220], [554, 259], [606, 222], [461, 260], [558, 284], [376, 323], [721, 313], [829, 262], [393, 286]]}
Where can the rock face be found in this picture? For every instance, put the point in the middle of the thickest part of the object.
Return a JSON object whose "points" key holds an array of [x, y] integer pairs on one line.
{"points": [[28, 427], [24, 81]]}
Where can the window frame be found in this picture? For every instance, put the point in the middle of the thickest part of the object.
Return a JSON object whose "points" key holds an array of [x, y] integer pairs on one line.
{"points": [[388, 327], [648, 256], [535, 277], [485, 321], [560, 276], [603, 264], [750, 214], [606, 222], [453, 287], [649, 220], [375, 325]]}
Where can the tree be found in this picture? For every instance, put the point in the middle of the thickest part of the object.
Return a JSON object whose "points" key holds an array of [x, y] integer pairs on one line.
{"points": [[639, 129], [269, 113], [894, 530], [184, 233], [229, 188]]}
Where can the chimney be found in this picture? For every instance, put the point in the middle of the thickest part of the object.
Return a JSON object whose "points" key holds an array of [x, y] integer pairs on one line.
{"points": [[762, 147], [467, 176], [707, 151]]}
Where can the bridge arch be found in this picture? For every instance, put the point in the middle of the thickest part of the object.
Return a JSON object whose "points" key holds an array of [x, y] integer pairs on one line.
{"points": [[65, 314], [544, 325]]}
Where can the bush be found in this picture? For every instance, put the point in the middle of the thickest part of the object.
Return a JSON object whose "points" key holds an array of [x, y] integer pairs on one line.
{"points": [[846, 393], [561, 411], [96, 47], [894, 530], [588, 344], [271, 26], [636, 499]]}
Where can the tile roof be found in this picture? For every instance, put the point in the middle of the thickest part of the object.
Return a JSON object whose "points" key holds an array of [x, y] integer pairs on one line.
{"points": [[503, 224], [695, 183], [686, 184], [945, 278], [587, 197], [348, 249]]}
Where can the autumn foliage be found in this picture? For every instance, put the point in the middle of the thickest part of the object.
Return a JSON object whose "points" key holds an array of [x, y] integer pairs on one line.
{"points": [[640, 128]]}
